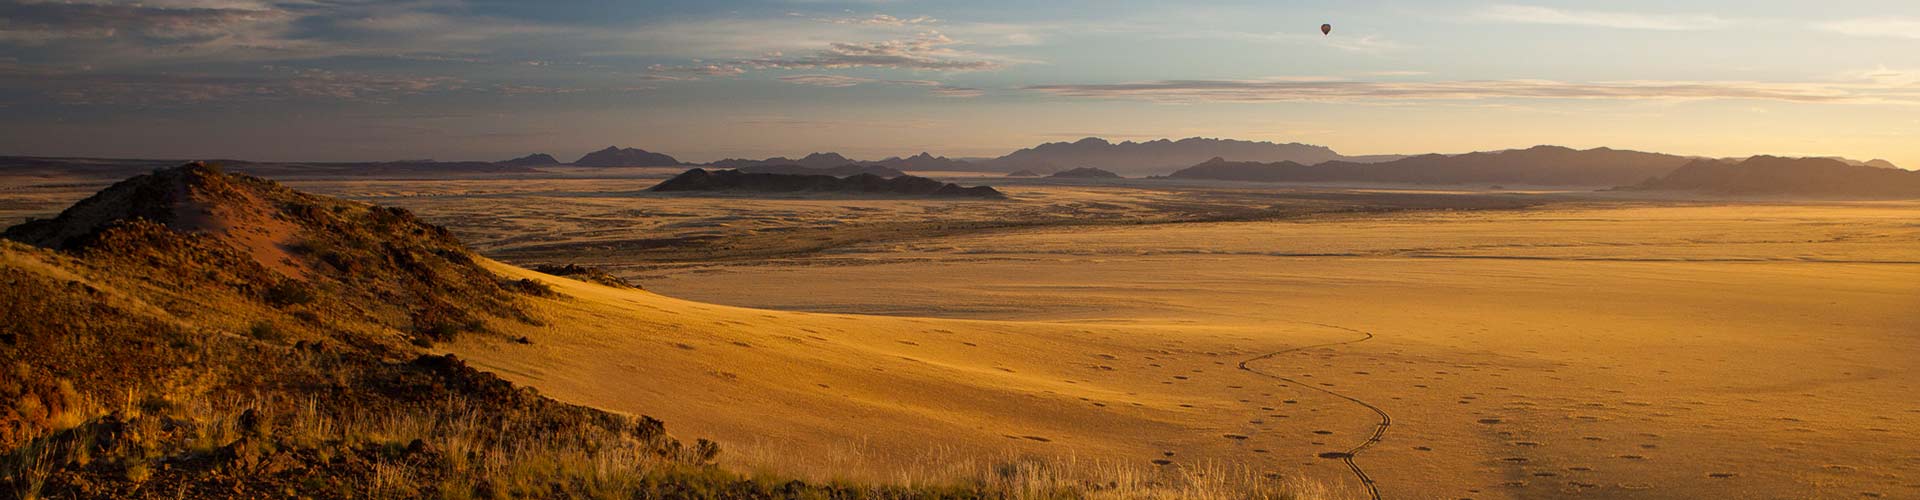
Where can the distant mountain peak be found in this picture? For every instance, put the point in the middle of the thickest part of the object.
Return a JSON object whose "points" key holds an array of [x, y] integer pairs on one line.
{"points": [[615, 156], [829, 156], [532, 160]]}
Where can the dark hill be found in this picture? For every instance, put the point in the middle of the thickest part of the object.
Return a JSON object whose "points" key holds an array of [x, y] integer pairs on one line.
{"points": [[840, 171], [1770, 175], [398, 272], [1541, 165], [625, 157], [1221, 169], [532, 160], [1085, 173], [701, 180]]}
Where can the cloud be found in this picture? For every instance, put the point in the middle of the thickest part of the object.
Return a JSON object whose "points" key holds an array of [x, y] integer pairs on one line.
{"points": [[826, 80], [842, 81], [1370, 44], [664, 72], [929, 51], [277, 84], [515, 89], [1879, 27], [883, 20], [945, 91], [1531, 14], [1285, 90], [44, 22]]}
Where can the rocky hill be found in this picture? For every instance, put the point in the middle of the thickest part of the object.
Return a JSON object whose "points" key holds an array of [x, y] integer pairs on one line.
{"points": [[625, 157], [192, 333], [1776, 176], [702, 180]]}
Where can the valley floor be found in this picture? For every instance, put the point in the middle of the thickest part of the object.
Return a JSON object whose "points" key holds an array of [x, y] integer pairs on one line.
{"points": [[1521, 345], [1613, 349]]}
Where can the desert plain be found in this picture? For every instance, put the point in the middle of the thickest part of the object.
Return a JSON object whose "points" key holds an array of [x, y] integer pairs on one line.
{"points": [[1439, 343]]}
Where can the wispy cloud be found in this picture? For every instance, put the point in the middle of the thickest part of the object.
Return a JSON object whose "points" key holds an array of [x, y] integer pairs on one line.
{"points": [[929, 51], [1533, 14], [665, 72], [883, 20], [1284, 90], [276, 84], [1371, 44], [945, 91], [841, 81], [826, 80], [1880, 27]]}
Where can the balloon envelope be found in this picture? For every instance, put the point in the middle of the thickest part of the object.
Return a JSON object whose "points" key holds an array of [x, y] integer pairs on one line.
{"points": [[1326, 29]]}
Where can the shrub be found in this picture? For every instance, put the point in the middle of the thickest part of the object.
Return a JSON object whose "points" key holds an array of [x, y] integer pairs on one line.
{"points": [[529, 287], [289, 292], [264, 330]]}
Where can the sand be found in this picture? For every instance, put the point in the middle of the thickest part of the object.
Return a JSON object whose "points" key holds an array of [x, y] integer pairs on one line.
{"points": [[1635, 351], [1568, 345]]}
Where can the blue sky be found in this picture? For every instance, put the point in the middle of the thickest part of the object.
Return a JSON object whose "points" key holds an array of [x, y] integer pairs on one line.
{"points": [[447, 79]]}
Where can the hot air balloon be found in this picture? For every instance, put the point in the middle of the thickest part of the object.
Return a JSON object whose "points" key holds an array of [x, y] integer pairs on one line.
{"points": [[1326, 29]]}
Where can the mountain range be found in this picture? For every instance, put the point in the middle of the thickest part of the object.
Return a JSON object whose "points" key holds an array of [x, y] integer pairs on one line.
{"points": [[922, 161], [1160, 156], [697, 180], [1539, 165], [1772, 175]]}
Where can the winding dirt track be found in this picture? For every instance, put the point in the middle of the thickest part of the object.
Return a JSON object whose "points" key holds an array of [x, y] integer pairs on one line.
{"points": [[1379, 429]]}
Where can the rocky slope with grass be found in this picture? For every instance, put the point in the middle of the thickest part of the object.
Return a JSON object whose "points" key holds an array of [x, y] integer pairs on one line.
{"points": [[192, 333]]}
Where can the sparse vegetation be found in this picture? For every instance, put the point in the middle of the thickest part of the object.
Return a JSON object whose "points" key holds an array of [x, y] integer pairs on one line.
{"points": [[157, 365], [579, 272]]}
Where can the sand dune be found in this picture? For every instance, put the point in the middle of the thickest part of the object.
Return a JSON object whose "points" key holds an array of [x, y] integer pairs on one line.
{"points": [[903, 388]]}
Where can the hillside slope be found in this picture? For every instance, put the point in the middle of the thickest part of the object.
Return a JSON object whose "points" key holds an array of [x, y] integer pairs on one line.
{"points": [[193, 333]]}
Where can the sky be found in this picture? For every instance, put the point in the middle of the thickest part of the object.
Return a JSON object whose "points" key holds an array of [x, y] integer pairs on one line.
{"points": [[340, 80]]}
